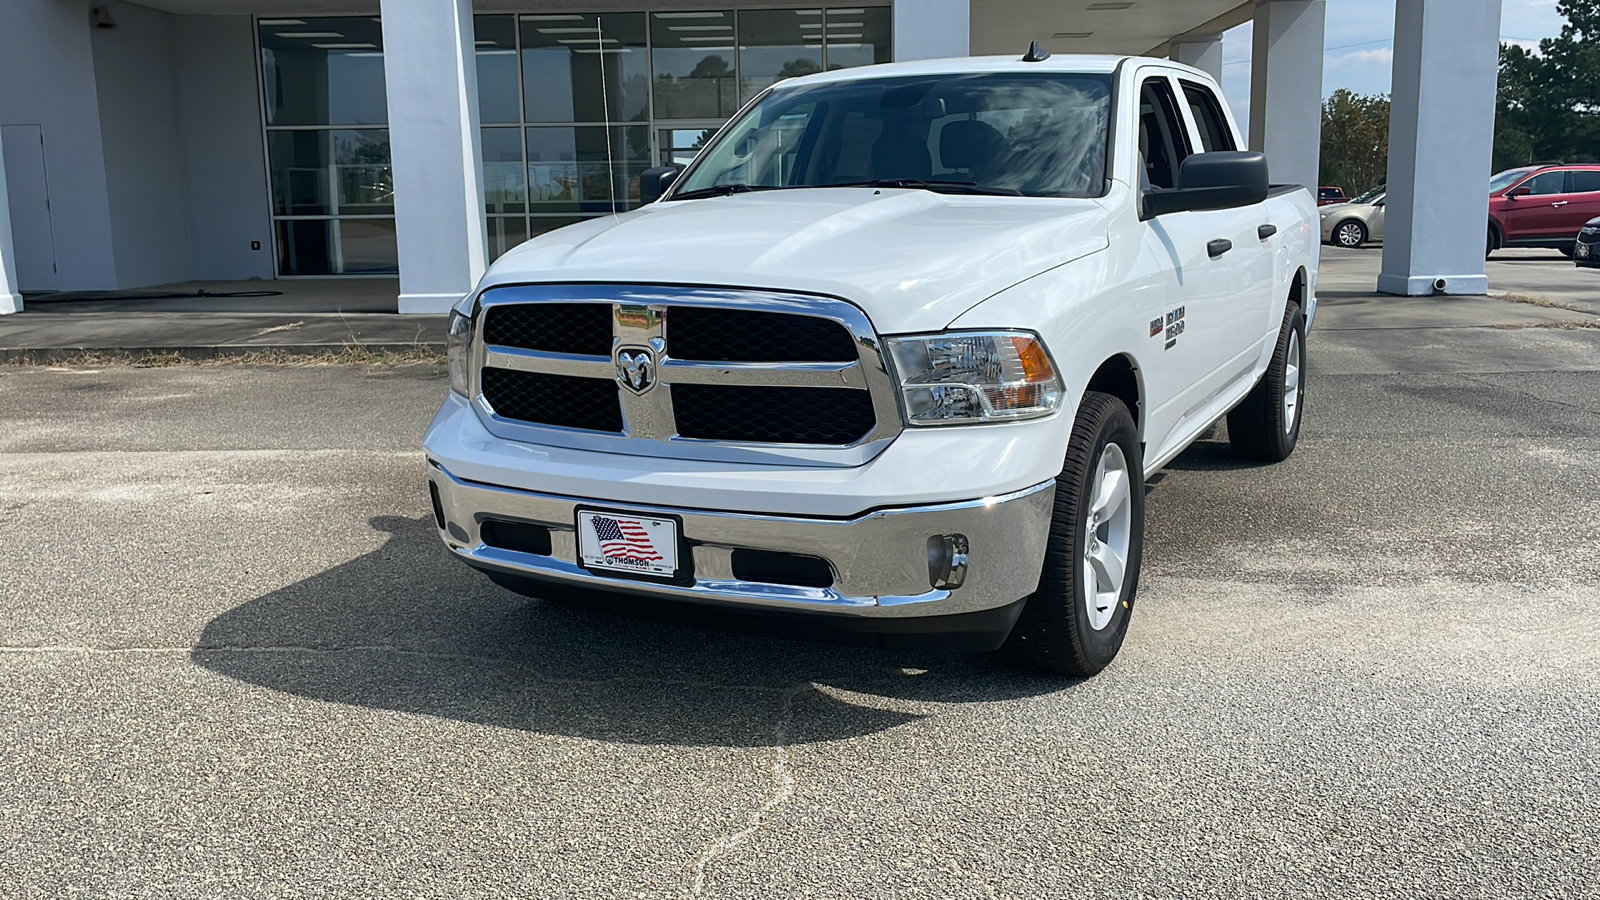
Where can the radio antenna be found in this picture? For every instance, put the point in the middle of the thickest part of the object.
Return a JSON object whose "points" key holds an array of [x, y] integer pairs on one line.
{"points": [[605, 103]]}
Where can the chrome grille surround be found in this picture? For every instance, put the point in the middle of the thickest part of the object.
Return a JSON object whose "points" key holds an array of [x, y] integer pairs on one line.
{"points": [[640, 316]]}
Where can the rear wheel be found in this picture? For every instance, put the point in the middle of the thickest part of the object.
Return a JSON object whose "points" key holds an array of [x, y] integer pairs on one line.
{"points": [[1493, 245], [1350, 234], [1266, 426], [1075, 622]]}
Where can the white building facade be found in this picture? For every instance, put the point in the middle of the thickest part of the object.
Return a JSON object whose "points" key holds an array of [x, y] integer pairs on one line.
{"points": [[188, 140]]}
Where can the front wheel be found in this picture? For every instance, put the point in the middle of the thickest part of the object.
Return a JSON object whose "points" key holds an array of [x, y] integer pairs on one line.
{"points": [[1350, 234], [1074, 623], [1266, 426]]}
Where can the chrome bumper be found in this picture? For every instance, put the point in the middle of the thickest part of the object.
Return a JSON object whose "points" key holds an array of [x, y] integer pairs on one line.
{"points": [[880, 560]]}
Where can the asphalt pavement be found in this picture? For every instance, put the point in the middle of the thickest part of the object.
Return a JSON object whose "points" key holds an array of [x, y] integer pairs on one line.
{"points": [[236, 662]]}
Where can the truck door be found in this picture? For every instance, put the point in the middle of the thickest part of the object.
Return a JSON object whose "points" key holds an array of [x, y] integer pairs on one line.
{"points": [[1217, 315]]}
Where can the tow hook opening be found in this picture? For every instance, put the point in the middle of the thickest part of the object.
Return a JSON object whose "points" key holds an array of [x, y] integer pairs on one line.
{"points": [[947, 561]]}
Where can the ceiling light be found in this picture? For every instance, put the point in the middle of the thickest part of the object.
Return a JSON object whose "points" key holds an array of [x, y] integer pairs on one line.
{"points": [[833, 24], [551, 18], [345, 46], [699, 27], [856, 36], [566, 30], [588, 41], [307, 34], [602, 50], [1072, 34], [723, 38], [847, 12], [690, 15], [280, 21]]}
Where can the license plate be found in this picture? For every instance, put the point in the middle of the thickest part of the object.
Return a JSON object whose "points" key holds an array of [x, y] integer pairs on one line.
{"points": [[621, 542]]}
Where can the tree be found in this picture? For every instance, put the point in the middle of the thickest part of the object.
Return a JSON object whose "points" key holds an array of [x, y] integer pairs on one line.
{"points": [[1355, 140], [1549, 101]]}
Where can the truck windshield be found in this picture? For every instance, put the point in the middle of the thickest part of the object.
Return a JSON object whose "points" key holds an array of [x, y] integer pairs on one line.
{"points": [[1037, 135]]}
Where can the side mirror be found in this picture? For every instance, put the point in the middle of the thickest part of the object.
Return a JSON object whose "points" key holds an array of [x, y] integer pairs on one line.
{"points": [[1521, 191], [1221, 179], [654, 182]]}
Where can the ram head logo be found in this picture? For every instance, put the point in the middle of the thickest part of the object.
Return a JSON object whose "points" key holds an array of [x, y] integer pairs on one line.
{"points": [[636, 369]]}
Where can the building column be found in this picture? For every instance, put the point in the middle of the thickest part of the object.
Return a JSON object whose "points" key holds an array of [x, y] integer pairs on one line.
{"points": [[933, 29], [1441, 146], [1204, 52], [1286, 88], [431, 77], [10, 298]]}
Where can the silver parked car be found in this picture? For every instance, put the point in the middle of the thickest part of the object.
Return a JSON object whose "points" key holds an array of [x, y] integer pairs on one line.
{"points": [[1356, 222]]}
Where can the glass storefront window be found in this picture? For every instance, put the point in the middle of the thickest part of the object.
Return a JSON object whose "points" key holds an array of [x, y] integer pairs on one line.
{"points": [[325, 172], [337, 247], [694, 54], [575, 66], [858, 37], [775, 44], [327, 71], [499, 98], [547, 83], [505, 184]]}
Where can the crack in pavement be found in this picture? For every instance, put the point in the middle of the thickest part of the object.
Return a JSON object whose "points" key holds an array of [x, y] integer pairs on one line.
{"points": [[780, 771]]}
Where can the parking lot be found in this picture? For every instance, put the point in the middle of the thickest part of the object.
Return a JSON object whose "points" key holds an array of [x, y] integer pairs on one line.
{"points": [[235, 661]]}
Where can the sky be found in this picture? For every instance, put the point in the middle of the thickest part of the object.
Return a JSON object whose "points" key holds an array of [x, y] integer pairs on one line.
{"points": [[1360, 41]]}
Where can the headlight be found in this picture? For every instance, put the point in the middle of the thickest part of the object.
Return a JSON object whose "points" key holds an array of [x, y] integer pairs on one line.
{"points": [[458, 341], [965, 377]]}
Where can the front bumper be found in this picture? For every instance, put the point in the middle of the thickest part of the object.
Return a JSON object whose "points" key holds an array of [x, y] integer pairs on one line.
{"points": [[880, 560]]}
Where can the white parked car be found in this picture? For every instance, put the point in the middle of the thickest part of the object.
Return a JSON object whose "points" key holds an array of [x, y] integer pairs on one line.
{"points": [[889, 361], [1353, 224]]}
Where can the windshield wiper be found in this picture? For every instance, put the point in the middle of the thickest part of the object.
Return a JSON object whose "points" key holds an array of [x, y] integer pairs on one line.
{"points": [[721, 190], [942, 187]]}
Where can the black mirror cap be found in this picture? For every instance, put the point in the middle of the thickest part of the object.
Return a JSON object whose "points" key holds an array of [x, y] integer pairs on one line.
{"points": [[1221, 179], [654, 182]]}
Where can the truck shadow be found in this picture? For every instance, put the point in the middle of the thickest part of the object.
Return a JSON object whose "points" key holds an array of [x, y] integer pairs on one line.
{"points": [[405, 628]]}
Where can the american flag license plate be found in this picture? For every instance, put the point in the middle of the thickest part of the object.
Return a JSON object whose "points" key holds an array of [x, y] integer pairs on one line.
{"points": [[618, 542]]}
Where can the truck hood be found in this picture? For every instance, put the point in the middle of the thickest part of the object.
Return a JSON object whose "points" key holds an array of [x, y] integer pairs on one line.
{"points": [[913, 260]]}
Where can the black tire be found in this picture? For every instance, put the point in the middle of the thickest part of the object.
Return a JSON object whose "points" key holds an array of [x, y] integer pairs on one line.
{"points": [[1356, 237], [1262, 427], [1493, 245], [1054, 632]]}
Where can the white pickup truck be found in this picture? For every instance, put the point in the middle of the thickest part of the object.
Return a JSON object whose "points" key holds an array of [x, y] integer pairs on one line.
{"points": [[889, 361]]}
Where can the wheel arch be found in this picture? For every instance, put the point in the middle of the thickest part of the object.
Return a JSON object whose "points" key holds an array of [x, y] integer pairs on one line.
{"points": [[1121, 377]]}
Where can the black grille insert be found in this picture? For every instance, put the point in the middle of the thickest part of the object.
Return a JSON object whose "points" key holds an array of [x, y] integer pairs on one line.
{"points": [[769, 567], [583, 328], [588, 403], [772, 415], [739, 335], [521, 537]]}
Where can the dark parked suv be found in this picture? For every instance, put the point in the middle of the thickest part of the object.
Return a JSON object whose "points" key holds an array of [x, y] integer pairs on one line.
{"points": [[1542, 207], [1586, 252]]}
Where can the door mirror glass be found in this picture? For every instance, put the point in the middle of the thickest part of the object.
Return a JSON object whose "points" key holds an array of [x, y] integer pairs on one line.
{"points": [[1224, 179]]}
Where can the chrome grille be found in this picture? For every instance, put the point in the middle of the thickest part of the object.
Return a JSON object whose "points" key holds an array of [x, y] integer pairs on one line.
{"points": [[683, 372]]}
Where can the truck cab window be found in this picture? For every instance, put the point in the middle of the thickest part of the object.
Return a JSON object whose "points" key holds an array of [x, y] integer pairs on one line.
{"points": [[1214, 131], [1162, 143]]}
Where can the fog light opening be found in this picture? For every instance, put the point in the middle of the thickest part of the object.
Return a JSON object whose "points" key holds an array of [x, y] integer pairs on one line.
{"points": [[947, 561]]}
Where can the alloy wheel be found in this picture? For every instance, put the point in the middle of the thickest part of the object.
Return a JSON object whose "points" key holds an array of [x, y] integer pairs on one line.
{"points": [[1106, 537]]}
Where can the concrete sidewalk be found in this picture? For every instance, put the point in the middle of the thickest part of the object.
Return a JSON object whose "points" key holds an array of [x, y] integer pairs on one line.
{"points": [[208, 319]]}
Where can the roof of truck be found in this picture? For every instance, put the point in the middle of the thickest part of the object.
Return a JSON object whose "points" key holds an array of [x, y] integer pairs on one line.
{"points": [[965, 65]]}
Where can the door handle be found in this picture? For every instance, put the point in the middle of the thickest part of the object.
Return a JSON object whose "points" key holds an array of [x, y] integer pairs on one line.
{"points": [[1559, 203], [1218, 247], [1266, 231]]}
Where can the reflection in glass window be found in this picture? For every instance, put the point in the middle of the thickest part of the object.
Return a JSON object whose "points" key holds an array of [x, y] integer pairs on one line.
{"points": [[337, 247], [694, 57], [505, 187], [499, 97], [504, 233], [775, 44], [1546, 183], [568, 168], [327, 71], [679, 145], [564, 56], [858, 37], [326, 172]]}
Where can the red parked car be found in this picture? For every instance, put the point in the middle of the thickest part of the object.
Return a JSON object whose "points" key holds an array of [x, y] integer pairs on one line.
{"points": [[1327, 196], [1542, 206]]}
